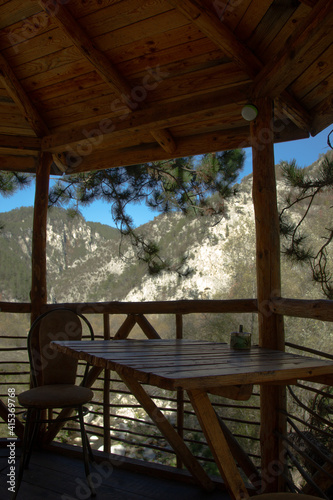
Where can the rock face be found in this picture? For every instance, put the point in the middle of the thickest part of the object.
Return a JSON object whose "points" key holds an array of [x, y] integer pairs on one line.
{"points": [[88, 261]]}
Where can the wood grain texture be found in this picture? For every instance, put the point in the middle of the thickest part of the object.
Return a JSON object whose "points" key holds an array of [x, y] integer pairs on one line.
{"points": [[68, 65], [38, 292], [195, 364]]}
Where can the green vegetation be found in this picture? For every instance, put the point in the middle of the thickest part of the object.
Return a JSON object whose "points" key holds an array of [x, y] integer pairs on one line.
{"points": [[306, 242], [92, 262], [191, 186]]}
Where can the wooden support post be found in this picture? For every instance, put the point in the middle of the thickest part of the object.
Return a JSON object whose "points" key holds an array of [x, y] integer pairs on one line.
{"points": [[38, 282], [271, 332], [165, 427], [218, 444]]}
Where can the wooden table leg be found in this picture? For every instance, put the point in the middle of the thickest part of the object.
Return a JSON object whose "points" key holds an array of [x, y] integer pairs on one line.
{"points": [[169, 432], [218, 444]]}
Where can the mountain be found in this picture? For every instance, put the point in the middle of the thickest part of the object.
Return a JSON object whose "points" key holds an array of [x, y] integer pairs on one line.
{"points": [[88, 261]]}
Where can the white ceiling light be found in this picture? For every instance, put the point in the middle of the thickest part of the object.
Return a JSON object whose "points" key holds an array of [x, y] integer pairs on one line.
{"points": [[249, 112]]}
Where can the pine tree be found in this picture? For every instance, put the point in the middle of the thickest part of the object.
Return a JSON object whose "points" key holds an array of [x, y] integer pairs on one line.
{"points": [[196, 187], [306, 189], [10, 182]]}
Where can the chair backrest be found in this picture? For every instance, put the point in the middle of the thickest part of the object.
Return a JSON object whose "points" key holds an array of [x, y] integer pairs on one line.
{"points": [[47, 365]]}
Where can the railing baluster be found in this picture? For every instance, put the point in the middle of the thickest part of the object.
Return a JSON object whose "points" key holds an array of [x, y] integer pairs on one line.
{"points": [[180, 392], [106, 392]]}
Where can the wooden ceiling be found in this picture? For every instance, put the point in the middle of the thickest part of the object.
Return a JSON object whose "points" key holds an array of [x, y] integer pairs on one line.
{"points": [[105, 83]]}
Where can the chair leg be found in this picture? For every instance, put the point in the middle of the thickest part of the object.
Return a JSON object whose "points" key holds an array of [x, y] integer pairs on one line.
{"points": [[34, 435], [90, 453], [24, 452], [85, 447]]}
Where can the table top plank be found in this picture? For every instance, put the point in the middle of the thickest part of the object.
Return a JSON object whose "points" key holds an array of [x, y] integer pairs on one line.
{"points": [[194, 364]]}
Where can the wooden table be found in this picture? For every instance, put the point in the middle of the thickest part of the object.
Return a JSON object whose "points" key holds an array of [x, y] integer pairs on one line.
{"points": [[200, 368]]}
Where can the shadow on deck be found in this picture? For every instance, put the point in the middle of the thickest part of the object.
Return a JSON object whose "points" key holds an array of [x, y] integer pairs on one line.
{"points": [[53, 476]]}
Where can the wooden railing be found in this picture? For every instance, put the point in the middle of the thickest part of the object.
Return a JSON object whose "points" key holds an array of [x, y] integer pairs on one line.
{"points": [[113, 425]]}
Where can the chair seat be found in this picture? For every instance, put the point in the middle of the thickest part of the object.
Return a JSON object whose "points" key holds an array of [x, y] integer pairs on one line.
{"points": [[55, 396]]}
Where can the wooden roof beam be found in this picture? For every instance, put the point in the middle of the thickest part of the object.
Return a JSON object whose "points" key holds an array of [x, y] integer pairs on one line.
{"points": [[21, 99], [25, 164], [22, 143], [291, 108], [224, 38], [27, 108], [298, 53], [157, 117], [209, 24], [187, 146], [68, 24]]}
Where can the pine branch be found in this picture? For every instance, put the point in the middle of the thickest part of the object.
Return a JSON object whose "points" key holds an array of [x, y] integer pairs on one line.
{"points": [[182, 185], [306, 189]]}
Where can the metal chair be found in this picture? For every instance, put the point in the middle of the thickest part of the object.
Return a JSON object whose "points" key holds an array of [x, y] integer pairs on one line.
{"points": [[53, 376]]}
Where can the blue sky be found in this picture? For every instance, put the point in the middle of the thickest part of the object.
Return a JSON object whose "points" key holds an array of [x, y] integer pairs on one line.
{"points": [[304, 151]]}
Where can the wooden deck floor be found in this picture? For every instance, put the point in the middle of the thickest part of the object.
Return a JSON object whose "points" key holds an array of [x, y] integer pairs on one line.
{"points": [[54, 477]]}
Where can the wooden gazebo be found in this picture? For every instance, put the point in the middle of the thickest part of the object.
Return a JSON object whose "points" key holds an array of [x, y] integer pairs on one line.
{"points": [[89, 85]]}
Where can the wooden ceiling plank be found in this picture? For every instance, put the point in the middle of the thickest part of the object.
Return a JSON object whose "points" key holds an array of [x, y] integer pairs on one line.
{"points": [[251, 18], [19, 96], [146, 29], [100, 102], [320, 70], [39, 45], [16, 10], [183, 57], [322, 90], [12, 36], [216, 30], [55, 61], [272, 22], [70, 87], [289, 63], [102, 64], [274, 47], [122, 14], [60, 81], [199, 83], [68, 24], [79, 90], [82, 8], [151, 46]]}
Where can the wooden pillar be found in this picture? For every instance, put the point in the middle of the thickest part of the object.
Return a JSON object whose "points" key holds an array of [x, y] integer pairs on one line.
{"points": [[271, 332], [38, 293]]}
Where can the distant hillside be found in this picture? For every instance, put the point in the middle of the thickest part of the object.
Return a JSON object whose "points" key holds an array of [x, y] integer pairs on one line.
{"points": [[88, 262]]}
